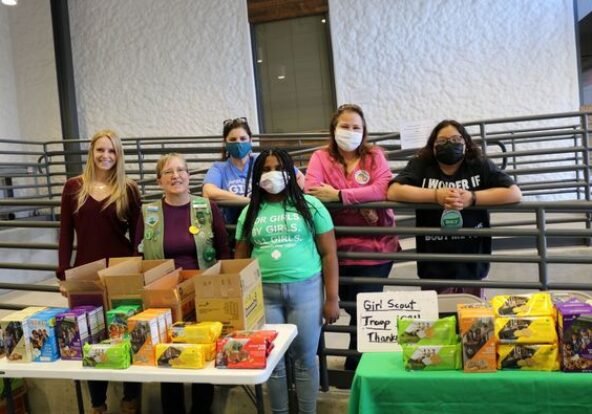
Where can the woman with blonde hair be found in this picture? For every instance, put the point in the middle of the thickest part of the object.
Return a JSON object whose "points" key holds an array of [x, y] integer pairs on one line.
{"points": [[101, 207]]}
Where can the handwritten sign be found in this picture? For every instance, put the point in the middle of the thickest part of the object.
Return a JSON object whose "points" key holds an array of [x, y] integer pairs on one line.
{"points": [[415, 134], [378, 313]]}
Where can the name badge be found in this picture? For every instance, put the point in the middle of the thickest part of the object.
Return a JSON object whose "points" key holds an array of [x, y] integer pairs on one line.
{"points": [[451, 219], [362, 177]]}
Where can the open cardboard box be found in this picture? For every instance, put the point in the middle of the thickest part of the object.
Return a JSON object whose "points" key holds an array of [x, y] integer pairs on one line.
{"points": [[175, 291], [125, 281], [231, 292], [84, 286]]}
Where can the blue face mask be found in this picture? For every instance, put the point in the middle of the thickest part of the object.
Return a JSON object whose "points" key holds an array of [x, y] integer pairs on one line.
{"points": [[238, 149]]}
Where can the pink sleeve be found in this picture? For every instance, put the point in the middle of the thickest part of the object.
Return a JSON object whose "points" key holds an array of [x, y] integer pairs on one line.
{"points": [[314, 172], [380, 175]]}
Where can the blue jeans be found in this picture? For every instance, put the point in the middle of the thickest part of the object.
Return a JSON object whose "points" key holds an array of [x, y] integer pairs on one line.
{"points": [[301, 304]]}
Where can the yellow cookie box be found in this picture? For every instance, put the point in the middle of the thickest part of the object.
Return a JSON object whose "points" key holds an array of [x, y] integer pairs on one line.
{"points": [[537, 330], [535, 304], [180, 356], [543, 357], [195, 333]]}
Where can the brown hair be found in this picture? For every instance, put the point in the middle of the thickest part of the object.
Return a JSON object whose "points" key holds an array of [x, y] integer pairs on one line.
{"points": [[363, 149]]}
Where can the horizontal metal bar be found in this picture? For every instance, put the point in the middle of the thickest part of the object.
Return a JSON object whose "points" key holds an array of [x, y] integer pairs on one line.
{"points": [[29, 287], [29, 266], [34, 246], [12, 306], [29, 202], [29, 224]]}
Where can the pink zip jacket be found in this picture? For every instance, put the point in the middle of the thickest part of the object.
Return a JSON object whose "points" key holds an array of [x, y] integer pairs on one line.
{"points": [[367, 182]]}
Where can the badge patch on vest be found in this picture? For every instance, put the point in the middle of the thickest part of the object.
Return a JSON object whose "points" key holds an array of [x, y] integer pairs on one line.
{"points": [[151, 220]]}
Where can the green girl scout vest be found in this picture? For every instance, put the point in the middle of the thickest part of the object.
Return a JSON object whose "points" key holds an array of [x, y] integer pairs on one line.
{"points": [[201, 228]]}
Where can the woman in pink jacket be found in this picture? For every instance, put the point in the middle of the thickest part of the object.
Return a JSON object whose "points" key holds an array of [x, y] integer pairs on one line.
{"points": [[350, 171]]}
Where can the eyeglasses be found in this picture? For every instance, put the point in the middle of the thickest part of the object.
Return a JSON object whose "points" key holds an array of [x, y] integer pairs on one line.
{"points": [[171, 172], [239, 120], [455, 139]]}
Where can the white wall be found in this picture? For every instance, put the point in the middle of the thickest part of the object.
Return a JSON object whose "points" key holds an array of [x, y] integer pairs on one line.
{"points": [[35, 73], [416, 60], [162, 68], [9, 120]]}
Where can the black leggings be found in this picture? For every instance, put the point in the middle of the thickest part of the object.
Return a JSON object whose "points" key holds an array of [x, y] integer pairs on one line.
{"points": [[202, 396], [98, 391]]}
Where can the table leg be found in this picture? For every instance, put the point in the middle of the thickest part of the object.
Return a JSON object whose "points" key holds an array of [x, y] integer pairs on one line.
{"points": [[79, 396], [259, 398], [8, 394]]}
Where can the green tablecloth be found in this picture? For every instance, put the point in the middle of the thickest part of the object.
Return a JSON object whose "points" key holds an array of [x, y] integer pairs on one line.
{"points": [[381, 385]]}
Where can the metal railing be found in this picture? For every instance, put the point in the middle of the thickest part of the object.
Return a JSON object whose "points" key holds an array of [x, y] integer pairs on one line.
{"points": [[561, 168]]}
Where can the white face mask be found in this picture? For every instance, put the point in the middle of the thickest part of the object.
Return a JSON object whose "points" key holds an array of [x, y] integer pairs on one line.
{"points": [[274, 182], [348, 140]]}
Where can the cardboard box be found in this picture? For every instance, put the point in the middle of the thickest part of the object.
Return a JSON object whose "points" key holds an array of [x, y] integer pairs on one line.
{"points": [[43, 335], [95, 318], [231, 292], [73, 333], [190, 356], [165, 319], [476, 328], [575, 325], [126, 280], [144, 335], [84, 286], [15, 331], [117, 319], [174, 291]]}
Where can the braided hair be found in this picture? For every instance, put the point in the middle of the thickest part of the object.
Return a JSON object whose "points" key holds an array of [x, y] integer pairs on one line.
{"points": [[294, 195]]}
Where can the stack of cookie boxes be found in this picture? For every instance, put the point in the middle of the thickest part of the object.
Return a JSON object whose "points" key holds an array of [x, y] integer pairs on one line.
{"points": [[192, 345], [525, 332], [133, 336], [429, 345]]}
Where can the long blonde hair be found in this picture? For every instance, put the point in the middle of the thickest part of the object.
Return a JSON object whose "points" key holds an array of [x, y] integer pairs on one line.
{"points": [[116, 179]]}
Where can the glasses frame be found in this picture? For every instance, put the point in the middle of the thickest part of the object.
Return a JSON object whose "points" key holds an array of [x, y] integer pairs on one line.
{"points": [[455, 139], [170, 172]]}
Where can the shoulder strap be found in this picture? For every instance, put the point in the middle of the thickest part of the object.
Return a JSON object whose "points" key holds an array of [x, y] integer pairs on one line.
{"points": [[249, 172]]}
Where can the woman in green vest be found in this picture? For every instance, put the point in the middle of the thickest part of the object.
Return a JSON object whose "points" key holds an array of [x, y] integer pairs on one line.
{"points": [[190, 230]]}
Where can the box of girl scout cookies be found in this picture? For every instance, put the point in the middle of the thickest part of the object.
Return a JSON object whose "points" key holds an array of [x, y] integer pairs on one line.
{"points": [[84, 286], [231, 292], [174, 291], [125, 281]]}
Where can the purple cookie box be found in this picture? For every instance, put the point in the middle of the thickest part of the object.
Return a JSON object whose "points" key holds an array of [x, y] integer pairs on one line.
{"points": [[574, 323], [72, 332]]}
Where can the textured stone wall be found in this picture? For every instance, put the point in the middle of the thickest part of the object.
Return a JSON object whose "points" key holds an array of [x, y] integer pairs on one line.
{"points": [[34, 70], [9, 121], [162, 68], [416, 60]]}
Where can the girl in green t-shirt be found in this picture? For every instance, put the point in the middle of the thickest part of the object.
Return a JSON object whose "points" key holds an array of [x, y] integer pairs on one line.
{"points": [[291, 234]]}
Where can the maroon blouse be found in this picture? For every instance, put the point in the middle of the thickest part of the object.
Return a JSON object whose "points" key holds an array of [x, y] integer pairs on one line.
{"points": [[99, 232]]}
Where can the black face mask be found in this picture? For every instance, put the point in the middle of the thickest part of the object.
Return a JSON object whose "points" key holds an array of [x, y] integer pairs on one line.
{"points": [[449, 153]]}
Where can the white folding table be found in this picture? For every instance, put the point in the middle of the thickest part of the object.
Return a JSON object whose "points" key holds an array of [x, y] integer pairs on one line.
{"points": [[74, 370]]}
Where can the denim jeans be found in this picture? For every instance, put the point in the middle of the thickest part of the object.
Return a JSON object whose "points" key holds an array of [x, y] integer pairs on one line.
{"points": [[301, 304]]}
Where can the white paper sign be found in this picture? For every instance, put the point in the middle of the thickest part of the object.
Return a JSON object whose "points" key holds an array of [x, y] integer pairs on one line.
{"points": [[378, 313], [415, 134]]}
